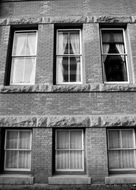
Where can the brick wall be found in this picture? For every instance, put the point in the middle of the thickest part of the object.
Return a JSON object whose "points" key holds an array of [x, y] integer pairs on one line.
{"points": [[42, 154], [96, 148]]}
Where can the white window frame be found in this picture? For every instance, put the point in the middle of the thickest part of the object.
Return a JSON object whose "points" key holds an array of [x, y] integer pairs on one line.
{"points": [[134, 149], [83, 150], [5, 149], [69, 55], [125, 54], [33, 56]]}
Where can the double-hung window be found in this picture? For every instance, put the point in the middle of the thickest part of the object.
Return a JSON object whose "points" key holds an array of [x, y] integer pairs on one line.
{"points": [[68, 56], [17, 150], [122, 150], [23, 58], [114, 55], [69, 150]]}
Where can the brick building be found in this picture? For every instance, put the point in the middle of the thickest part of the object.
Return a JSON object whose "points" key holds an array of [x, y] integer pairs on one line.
{"points": [[67, 91]]}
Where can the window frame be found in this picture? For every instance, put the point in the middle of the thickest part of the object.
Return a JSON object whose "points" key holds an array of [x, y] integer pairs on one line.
{"points": [[125, 54], [118, 170], [5, 149], [83, 151], [15, 56], [69, 55]]}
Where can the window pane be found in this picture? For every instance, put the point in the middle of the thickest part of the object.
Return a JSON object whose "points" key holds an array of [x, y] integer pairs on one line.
{"points": [[127, 139], [24, 44], [17, 70], [62, 159], [127, 159], [29, 75], [112, 36], [24, 140], [76, 160], [62, 69], [114, 139], [74, 42], [76, 139], [11, 140], [113, 48], [63, 140], [115, 68], [62, 47], [75, 72], [24, 159], [11, 159]]}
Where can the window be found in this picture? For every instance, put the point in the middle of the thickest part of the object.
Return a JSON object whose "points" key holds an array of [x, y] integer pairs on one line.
{"points": [[121, 149], [68, 57], [23, 58], [114, 55], [69, 150], [17, 150]]}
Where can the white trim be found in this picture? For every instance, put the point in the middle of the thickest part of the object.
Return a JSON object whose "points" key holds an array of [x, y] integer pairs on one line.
{"points": [[17, 149], [15, 56], [70, 55], [125, 54]]}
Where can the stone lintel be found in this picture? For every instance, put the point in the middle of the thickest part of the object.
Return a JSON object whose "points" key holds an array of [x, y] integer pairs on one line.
{"points": [[67, 19], [48, 88], [76, 121]]}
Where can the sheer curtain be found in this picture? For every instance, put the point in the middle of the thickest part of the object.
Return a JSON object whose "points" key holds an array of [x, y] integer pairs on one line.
{"points": [[62, 42], [24, 45], [20, 157], [120, 156], [75, 43], [69, 150]]}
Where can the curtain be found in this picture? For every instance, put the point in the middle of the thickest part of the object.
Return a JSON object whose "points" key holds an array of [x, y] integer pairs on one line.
{"points": [[69, 153], [18, 158], [23, 68], [75, 44], [121, 158], [61, 50]]}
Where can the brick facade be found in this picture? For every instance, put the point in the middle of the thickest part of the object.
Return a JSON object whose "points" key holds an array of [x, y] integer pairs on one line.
{"points": [[44, 107]]}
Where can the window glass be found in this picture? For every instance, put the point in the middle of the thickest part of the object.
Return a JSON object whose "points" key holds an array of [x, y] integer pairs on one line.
{"points": [[69, 150], [114, 56], [68, 56], [17, 150], [121, 149], [23, 58]]}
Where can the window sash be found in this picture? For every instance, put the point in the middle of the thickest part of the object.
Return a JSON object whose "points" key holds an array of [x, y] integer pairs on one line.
{"points": [[18, 151], [77, 77], [125, 78], [122, 158], [18, 74], [66, 153]]}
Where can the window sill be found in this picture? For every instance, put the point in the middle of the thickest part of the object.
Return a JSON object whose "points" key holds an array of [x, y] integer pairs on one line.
{"points": [[69, 179], [16, 179], [47, 88], [121, 179]]}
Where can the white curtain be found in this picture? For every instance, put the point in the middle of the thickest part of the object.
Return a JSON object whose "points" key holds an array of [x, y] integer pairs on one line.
{"points": [[121, 158], [69, 153], [75, 43], [61, 47], [23, 68], [18, 158]]}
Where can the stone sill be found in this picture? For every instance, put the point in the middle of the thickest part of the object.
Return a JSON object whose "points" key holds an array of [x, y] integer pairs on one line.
{"points": [[69, 179], [47, 88], [16, 179], [121, 179]]}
